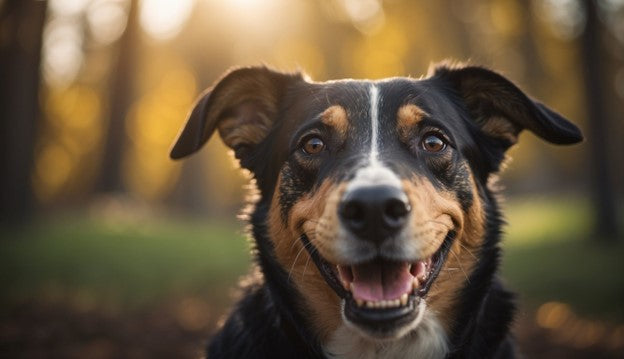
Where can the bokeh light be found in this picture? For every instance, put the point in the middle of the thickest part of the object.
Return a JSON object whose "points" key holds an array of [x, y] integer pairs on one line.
{"points": [[107, 20], [163, 19], [62, 51], [151, 124]]}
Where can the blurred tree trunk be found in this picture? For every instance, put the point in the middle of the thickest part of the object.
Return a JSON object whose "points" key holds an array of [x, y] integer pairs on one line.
{"points": [[121, 96], [598, 129], [21, 28], [533, 66]]}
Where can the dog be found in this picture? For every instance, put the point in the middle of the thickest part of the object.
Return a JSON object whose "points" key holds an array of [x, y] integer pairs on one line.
{"points": [[388, 188]]}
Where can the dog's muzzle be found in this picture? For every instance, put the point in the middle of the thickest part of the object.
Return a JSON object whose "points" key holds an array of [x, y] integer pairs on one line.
{"points": [[381, 295]]}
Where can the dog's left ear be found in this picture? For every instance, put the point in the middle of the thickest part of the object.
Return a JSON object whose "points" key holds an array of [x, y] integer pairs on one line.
{"points": [[502, 110], [243, 106]]}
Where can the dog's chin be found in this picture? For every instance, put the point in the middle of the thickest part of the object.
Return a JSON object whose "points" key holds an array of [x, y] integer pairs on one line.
{"points": [[389, 326], [383, 299]]}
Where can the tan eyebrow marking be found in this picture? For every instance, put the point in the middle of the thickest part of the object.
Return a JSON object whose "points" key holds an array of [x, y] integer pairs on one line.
{"points": [[408, 116], [336, 117]]}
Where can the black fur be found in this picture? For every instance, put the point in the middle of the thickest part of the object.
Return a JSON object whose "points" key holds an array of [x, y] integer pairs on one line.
{"points": [[271, 321]]}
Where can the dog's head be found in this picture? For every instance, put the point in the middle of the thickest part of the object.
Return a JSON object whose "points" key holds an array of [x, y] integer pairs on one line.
{"points": [[381, 184]]}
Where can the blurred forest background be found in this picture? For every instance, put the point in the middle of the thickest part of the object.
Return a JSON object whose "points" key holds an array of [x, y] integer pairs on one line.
{"points": [[110, 249]]}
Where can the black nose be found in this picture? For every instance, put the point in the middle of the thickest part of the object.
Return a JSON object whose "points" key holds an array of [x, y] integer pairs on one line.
{"points": [[374, 212]]}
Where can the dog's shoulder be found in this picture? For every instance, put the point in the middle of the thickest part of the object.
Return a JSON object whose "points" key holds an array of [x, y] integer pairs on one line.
{"points": [[255, 329]]}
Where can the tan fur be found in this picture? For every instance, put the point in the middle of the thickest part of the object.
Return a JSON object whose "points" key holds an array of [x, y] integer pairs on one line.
{"points": [[408, 117], [248, 108], [476, 92], [433, 215], [336, 117], [442, 297], [320, 299], [500, 127]]}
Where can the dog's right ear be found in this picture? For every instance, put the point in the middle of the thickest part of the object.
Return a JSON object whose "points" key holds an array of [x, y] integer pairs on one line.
{"points": [[242, 106]]}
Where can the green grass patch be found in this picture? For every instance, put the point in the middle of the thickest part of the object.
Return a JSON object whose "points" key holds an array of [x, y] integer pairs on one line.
{"points": [[132, 264], [550, 255]]}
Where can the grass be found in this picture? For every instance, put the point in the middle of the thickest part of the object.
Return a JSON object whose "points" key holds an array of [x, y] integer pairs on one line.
{"points": [[549, 256], [130, 264]]}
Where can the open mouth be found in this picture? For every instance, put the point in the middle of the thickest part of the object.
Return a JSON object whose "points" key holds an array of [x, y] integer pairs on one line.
{"points": [[382, 294]]}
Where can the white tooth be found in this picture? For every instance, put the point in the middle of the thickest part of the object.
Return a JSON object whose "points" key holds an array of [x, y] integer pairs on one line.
{"points": [[404, 299], [423, 277], [397, 302], [382, 304], [378, 304], [415, 284], [359, 302], [369, 304], [391, 303]]}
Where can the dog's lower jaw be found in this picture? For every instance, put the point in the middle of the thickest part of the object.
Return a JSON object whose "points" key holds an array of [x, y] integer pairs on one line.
{"points": [[423, 338], [387, 335]]}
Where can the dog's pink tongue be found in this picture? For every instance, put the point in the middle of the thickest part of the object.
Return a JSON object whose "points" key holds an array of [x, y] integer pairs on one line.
{"points": [[381, 281]]}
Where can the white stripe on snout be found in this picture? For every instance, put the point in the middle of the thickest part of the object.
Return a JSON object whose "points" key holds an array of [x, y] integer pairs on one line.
{"points": [[374, 173], [374, 113]]}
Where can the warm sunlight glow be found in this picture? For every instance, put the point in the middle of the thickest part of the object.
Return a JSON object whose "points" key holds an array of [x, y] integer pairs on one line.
{"points": [[73, 122], [67, 7], [163, 19], [107, 20], [62, 51], [159, 113], [246, 5], [258, 21]]}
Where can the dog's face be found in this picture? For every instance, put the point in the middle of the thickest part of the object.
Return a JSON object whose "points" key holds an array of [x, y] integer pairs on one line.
{"points": [[381, 184]]}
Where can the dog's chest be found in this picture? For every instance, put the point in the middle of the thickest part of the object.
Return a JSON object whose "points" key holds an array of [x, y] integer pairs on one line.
{"points": [[427, 341]]}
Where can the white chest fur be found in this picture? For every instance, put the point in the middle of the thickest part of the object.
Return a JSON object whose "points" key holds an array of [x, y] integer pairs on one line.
{"points": [[427, 341]]}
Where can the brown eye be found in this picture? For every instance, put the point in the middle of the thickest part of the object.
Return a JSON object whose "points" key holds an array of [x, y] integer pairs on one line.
{"points": [[313, 146], [433, 143]]}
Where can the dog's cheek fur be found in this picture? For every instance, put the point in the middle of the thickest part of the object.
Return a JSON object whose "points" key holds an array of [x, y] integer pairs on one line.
{"points": [[293, 184], [437, 209], [320, 303], [433, 214], [444, 295]]}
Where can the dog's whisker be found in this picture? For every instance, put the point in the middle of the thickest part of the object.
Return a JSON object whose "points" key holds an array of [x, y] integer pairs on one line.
{"points": [[305, 268], [467, 250], [460, 266], [292, 267]]}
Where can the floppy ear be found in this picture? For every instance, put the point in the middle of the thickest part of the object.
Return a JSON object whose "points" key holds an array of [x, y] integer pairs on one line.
{"points": [[242, 105], [502, 110]]}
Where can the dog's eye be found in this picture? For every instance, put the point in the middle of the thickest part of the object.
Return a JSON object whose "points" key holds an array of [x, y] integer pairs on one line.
{"points": [[433, 143], [313, 146]]}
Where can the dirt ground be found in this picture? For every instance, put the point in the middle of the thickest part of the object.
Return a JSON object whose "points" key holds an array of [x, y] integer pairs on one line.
{"points": [[180, 329]]}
